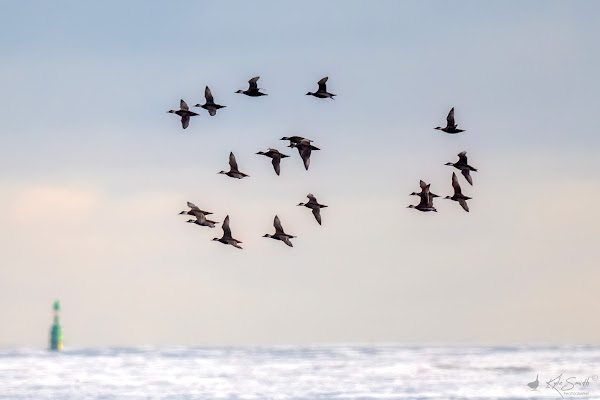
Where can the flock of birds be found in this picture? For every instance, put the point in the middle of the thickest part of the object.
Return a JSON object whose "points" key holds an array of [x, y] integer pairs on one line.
{"points": [[426, 203], [305, 148]]}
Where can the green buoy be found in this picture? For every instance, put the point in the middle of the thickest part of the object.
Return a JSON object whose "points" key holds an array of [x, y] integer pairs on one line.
{"points": [[56, 333]]}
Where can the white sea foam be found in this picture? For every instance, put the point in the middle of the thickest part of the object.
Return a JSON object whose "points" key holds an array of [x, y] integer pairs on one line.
{"points": [[336, 372]]}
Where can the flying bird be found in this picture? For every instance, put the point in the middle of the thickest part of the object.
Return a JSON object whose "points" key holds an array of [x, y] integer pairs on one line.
{"points": [[458, 196], [304, 149], [314, 205], [253, 90], [202, 221], [184, 112], [193, 210], [424, 189], [275, 156], [279, 233], [227, 238], [322, 92], [233, 172], [451, 126], [210, 104], [463, 166], [295, 139], [426, 203]]}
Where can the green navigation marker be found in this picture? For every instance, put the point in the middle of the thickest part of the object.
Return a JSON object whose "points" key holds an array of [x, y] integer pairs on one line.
{"points": [[56, 333]]}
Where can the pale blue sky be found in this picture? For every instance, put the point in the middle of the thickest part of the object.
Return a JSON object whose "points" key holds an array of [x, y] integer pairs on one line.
{"points": [[94, 171]]}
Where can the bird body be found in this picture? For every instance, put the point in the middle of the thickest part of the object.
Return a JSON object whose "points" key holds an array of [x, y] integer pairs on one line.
{"points": [[233, 172], [253, 90], [463, 166], [227, 238], [210, 104], [314, 205], [184, 112], [295, 139], [194, 210], [424, 189], [305, 150], [451, 126], [202, 221], [279, 233], [276, 157], [458, 196], [426, 203], [322, 92]]}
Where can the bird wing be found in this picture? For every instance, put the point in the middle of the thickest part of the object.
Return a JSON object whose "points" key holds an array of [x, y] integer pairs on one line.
{"points": [[200, 217], [192, 206], [467, 175], [423, 185], [311, 198], [287, 241], [276, 164], [232, 163], [462, 157], [208, 95], [455, 184], [463, 204], [317, 213], [226, 229], [278, 227], [322, 85], [253, 84], [183, 105], [212, 111], [450, 118], [305, 154], [185, 121]]}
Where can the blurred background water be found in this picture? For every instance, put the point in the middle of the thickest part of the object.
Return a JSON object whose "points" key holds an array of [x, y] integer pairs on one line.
{"points": [[328, 372]]}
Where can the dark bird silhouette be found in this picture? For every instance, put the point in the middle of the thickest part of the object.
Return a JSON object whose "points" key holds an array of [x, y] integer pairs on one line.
{"points": [[463, 166], [253, 90], [210, 104], [295, 139], [193, 210], [533, 385], [451, 126], [322, 92], [233, 172], [276, 157], [184, 112], [305, 150], [314, 205], [424, 189], [458, 196], [202, 221], [279, 233], [227, 238], [426, 203]]}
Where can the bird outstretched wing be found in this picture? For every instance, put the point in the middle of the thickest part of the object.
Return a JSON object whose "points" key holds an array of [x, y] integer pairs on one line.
{"points": [[232, 162], [208, 95], [322, 84]]}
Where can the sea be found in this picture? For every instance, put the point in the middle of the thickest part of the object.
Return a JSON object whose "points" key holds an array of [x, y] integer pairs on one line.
{"points": [[286, 372]]}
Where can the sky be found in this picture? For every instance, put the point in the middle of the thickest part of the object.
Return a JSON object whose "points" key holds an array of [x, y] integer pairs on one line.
{"points": [[94, 171]]}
